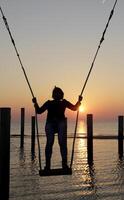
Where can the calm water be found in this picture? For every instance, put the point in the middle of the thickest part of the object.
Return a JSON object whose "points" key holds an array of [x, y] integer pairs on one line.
{"points": [[103, 180]]}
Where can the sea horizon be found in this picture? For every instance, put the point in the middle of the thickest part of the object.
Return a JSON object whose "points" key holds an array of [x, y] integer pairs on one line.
{"points": [[100, 127]]}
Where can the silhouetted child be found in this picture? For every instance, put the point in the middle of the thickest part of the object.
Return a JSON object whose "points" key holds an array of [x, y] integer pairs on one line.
{"points": [[56, 123]]}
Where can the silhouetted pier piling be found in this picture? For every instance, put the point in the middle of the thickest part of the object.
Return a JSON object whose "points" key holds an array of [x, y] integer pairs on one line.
{"points": [[5, 117], [33, 135], [90, 138], [22, 127], [120, 135]]}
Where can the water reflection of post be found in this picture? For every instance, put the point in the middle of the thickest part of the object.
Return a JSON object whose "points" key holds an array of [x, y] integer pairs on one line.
{"points": [[90, 138], [90, 181], [92, 176]]}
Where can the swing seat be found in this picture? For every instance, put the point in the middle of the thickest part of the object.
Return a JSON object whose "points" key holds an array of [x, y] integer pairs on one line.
{"points": [[55, 172]]}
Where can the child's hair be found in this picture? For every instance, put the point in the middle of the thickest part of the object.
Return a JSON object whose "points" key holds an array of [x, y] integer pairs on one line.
{"points": [[57, 93]]}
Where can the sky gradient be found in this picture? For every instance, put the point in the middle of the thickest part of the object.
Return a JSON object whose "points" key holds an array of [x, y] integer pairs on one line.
{"points": [[57, 40]]}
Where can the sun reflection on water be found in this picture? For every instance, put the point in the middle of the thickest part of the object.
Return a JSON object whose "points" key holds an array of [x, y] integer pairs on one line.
{"points": [[85, 171], [81, 144], [81, 128]]}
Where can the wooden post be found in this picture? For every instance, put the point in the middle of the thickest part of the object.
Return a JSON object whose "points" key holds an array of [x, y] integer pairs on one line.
{"points": [[22, 127], [90, 138], [120, 135], [33, 135], [5, 118]]}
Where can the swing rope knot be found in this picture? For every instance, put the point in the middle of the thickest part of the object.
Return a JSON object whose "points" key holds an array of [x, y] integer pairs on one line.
{"points": [[80, 98]]}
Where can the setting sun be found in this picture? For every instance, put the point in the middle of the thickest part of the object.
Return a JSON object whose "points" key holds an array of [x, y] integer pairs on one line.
{"points": [[81, 109]]}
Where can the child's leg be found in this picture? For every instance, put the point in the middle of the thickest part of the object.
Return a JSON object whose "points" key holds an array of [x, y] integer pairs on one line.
{"points": [[49, 143], [62, 139]]}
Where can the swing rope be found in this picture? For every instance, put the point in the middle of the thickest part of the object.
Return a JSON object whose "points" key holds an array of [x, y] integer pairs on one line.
{"points": [[88, 75], [27, 80]]}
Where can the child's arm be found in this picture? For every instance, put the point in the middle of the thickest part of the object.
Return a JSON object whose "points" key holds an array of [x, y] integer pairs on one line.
{"points": [[38, 109], [74, 107]]}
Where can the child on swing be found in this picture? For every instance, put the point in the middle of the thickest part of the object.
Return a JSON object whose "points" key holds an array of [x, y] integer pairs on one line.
{"points": [[56, 123]]}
